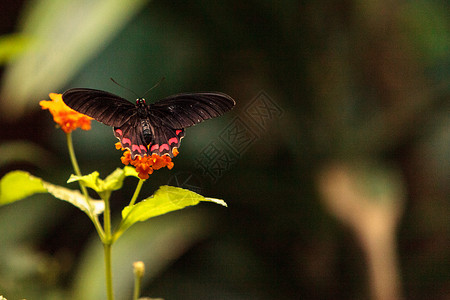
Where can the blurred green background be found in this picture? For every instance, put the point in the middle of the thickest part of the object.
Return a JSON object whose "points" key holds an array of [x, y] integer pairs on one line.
{"points": [[335, 162]]}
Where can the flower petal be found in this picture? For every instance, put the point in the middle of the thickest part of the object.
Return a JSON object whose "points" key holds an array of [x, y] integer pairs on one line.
{"points": [[64, 116], [145, 165]]}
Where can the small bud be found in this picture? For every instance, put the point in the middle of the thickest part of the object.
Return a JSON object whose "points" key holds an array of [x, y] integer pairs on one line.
{"points": [[139, 268]]}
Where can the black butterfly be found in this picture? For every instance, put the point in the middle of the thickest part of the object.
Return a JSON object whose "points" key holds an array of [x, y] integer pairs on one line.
{"points": [[146, 129]]}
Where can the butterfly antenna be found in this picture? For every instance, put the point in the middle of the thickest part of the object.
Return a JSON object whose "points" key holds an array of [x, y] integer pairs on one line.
{"points": [[124, 87], [157, 84]]}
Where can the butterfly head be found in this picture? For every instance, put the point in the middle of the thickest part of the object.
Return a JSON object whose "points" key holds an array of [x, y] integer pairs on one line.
{"points": [[140, 102]]}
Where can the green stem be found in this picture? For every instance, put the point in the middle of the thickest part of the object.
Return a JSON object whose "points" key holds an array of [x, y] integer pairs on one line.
{"points": [[74, 161], [137, 287], [139, 270], [108, 271], [107, 219], [136, 192], [76, 168], [118, 232], [107, 244], [104, 234]]}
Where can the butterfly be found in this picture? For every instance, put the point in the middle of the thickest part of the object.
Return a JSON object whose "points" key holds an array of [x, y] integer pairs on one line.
{"points": [[144, 128]]}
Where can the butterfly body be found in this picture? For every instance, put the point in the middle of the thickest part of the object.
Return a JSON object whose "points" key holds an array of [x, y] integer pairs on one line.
{"points": [[154, 128]]}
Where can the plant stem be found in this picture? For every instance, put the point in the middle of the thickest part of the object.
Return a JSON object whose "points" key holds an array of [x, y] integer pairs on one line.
{"points": [[139, 269], [137, 287], [108, 271], [119, 232], [73, 159], [104, 234], [76, 168], [137, 191], [107, 244], [107, 219]]}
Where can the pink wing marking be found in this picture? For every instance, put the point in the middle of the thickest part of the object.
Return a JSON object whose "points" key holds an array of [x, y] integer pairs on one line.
{"points": [[143, 148], [178, 131], [126, 141], [119, 131], [173, 140], [135, 148], [163, 146], [154, 147]]}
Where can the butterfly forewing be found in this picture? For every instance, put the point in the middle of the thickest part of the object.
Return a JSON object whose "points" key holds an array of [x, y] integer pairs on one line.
{"points": [[184, 110], [105, 107]]}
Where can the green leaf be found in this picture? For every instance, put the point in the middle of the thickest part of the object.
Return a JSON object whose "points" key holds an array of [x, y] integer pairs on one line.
{"points": [[90, 180], [165, 199], [18, 185], [112, 182], [75, 198], [130, 171]]}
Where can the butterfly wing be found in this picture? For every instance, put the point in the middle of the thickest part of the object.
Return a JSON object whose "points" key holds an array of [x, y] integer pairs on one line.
{"points": [[165, 140], [166, 119], [171, 115], [131, 136], [105, 107], [184, 110]]}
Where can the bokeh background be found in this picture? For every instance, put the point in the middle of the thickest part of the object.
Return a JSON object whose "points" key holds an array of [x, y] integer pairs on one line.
{"points": [[335, 162]]}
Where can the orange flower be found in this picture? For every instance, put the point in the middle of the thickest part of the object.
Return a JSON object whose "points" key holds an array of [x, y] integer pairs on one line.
{"points": [[64, 116], [145, 165]]}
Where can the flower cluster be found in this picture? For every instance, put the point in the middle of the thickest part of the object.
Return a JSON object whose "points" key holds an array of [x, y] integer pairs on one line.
{"points": [[146, 164], [64, 116]]}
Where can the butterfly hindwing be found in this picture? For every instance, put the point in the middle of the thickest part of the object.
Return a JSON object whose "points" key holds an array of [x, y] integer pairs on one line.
{"points": [[162, 142], [105, 107], [165, 140], [131, 137]]}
